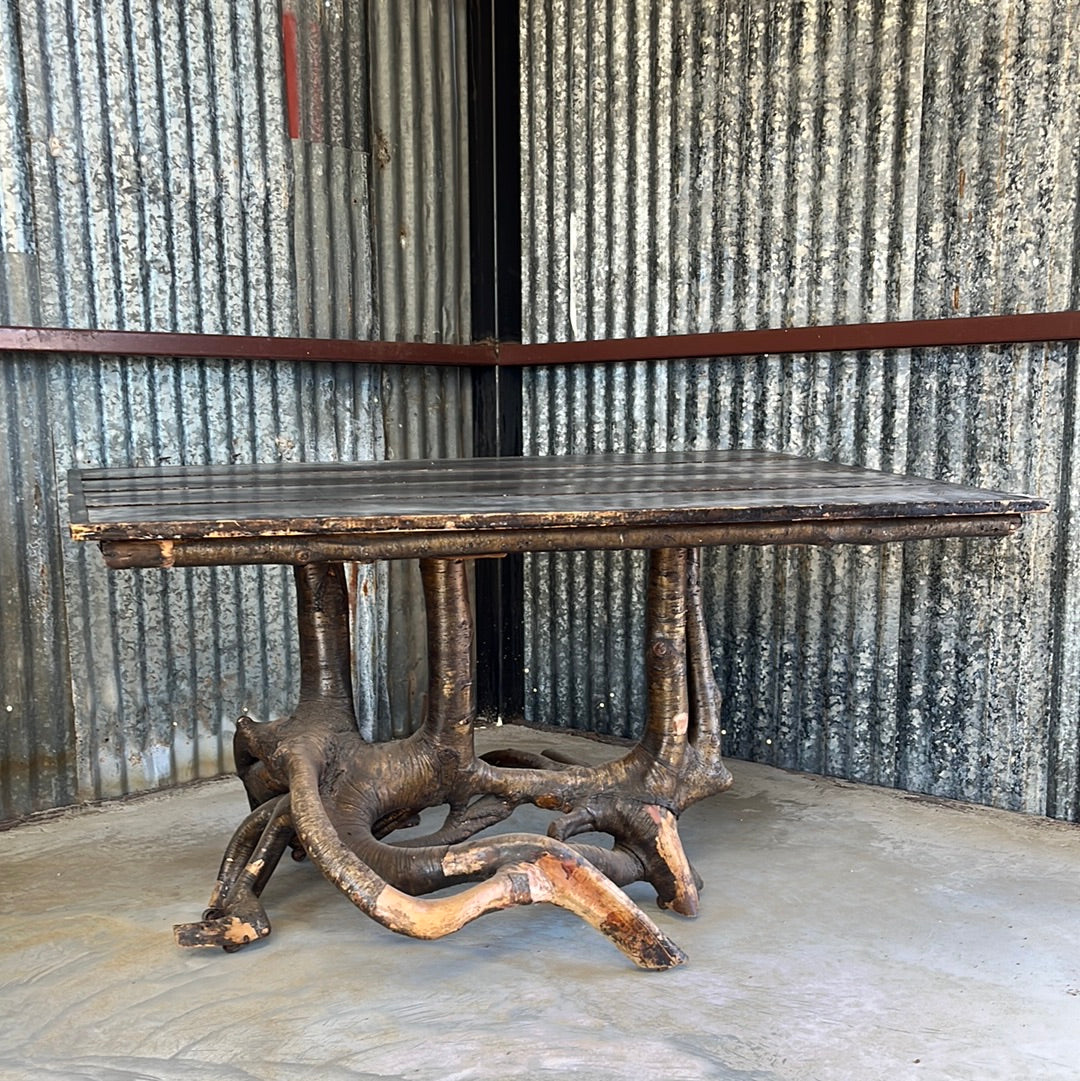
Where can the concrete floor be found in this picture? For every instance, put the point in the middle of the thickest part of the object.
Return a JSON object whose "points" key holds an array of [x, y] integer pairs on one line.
{"points": [[846, 932]]}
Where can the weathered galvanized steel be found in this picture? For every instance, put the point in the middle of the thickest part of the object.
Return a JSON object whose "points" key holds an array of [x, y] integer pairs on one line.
{"points": [[420, 214], [381, 242], [207, 167], [162, 666], [136, 677], [686, 166], [37, 760], [144, 189], [692, 167], [325, 61]]}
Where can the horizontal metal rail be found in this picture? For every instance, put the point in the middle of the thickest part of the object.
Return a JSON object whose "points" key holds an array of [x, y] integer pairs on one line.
{"points": [[909, 334], [132, 343]]}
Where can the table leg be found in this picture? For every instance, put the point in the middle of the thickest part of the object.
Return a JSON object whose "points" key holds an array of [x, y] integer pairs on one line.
{"points": [[637, 799], [311, 777]]}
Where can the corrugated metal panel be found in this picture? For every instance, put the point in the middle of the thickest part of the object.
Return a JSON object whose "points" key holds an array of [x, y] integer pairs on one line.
{"points": [[164, 661], [694, 167], [382, 252], [332, 234], [148, 183], [37, 763], [37, 760], [335, 279], [420, 209], [152, 167]]}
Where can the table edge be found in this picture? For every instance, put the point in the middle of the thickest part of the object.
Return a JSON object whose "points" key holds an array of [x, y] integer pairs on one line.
{"points": [[362, 548]]}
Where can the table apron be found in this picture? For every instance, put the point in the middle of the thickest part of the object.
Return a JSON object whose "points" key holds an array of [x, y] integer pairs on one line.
{"points": [[366, 547]]}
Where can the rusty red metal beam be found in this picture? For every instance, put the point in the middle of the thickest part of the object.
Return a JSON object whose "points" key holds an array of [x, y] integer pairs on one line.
{"points": [[911, 334], [148, 344], [291, 63]]}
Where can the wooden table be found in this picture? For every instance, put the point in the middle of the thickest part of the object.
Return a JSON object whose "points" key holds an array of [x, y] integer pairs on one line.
{"points": [[315, 785]]}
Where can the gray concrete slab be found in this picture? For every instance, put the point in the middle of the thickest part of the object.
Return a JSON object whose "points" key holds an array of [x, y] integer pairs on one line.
{"points": [[846, 932]]}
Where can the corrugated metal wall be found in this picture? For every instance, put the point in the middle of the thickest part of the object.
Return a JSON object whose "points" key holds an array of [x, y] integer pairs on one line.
{"points": [[696, 167], [147, 181], [382, 235], [420, 207], [336, 278], [686, 166], [37, 755]]}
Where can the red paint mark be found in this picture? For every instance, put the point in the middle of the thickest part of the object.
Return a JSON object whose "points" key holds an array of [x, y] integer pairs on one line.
{"points": [[316, 83], [292, 74]]}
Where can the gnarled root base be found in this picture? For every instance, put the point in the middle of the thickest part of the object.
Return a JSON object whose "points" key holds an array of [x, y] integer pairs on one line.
{"points": [[314, 784]]}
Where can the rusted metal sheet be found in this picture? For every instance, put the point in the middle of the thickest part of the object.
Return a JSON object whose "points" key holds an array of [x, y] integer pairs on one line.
{"points": [[690, 168], [895, 334], [132, 343]]}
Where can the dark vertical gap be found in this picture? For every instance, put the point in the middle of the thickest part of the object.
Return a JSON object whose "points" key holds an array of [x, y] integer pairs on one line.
{"points": [[495, 268]]}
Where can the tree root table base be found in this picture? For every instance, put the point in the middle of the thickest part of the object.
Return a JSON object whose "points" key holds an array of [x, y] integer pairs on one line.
{"points": [[315, 785]]}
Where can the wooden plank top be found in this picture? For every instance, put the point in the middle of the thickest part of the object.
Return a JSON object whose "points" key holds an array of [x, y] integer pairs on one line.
{"points": [[667, 488]]}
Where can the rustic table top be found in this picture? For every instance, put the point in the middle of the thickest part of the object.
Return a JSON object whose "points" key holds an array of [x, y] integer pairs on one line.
{"points": [[669, 488]]}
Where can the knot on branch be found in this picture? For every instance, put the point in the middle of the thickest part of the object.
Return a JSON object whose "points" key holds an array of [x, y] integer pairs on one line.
{"points": [[649, 832]]}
